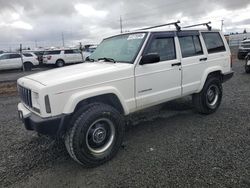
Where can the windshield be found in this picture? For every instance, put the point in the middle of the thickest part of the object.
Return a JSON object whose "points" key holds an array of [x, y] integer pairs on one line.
{"points": [[122, 48]]}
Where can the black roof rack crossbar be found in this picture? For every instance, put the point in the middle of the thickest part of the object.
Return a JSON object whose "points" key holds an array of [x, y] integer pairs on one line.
{"points": [[204, 24], [178, 28]]}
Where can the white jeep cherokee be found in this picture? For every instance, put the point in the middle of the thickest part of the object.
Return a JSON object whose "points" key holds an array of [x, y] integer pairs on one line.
{"points": [[87, 103]]}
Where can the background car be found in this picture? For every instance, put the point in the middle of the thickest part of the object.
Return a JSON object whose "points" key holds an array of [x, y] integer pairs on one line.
{"points": [[14, 61], [62, 57], [88, 51], [244, 49]]}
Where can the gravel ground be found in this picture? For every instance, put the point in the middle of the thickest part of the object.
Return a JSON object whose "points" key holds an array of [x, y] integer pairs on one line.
{"points": [[167, 146]]}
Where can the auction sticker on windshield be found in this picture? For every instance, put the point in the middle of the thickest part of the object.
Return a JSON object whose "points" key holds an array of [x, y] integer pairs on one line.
{"points": [[136, 36]]}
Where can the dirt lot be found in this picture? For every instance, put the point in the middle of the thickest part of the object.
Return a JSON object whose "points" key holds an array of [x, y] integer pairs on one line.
{"points": [[169, 145]]}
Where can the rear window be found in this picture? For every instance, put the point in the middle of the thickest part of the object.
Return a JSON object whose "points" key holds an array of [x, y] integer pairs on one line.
{"points": [[54, 52], [190, 46], [27, 55], [214, 42]]}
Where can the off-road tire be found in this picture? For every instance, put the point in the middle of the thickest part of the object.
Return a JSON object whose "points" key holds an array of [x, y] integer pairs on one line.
{"points": [[75, 138], [200, 100]]}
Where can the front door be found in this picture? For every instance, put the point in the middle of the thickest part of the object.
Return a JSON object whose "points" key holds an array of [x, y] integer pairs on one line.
{"points": [[159, 82]]}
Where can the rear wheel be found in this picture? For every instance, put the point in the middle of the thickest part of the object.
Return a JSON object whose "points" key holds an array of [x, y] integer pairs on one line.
{"points": [[28, 66], [96, 135], [209, 99], [59, 63]]}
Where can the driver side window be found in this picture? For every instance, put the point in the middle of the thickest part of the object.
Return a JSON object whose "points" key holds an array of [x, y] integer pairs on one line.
{"points": [[164, 47]]}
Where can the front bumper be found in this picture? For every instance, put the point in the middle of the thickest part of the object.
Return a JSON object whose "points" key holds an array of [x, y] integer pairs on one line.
{"points": [[227, 76], [48, 126]]}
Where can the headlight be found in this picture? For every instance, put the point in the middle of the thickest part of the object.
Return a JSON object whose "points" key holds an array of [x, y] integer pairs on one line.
{"points": [[35, 101]]}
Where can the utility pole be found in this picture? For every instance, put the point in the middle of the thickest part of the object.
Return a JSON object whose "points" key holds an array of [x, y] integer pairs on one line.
{"points": [[222, 25], [121, 23], [81, 49], [21, 54], [63, 39]]}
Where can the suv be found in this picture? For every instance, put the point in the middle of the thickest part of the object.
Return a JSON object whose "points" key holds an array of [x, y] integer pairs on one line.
{"points": [[88, 51], [62, 57], [14, 61], [244, 49], [86, 104]]}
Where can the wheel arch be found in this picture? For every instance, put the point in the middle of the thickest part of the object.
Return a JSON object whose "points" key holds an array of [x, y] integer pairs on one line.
{"points": [[214, 71], [60, 59], [107, 96]]}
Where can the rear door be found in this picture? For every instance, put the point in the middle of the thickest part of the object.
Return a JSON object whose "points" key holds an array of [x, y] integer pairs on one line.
{"points": [[15, 61], [73, 56], [193, 60], [4, 62], [159, 82]]}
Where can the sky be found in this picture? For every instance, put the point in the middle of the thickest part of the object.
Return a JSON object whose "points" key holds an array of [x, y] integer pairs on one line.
{"points": [[43, 22]]}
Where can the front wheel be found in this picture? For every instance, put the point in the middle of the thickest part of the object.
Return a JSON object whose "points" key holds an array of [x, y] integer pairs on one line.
{"points": [[96, 135], [209, 99]]}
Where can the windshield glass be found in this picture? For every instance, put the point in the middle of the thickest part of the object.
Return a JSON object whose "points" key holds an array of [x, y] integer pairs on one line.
{"points": [[122, 48]]}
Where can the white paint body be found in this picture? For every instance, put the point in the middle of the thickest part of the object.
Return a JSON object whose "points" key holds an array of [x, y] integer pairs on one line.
{"points": [[16, 63], [160, 82], [66, 58]]}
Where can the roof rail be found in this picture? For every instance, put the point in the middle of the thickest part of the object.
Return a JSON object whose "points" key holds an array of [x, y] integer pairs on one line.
{"points": [[178, 28], [204, 24]]}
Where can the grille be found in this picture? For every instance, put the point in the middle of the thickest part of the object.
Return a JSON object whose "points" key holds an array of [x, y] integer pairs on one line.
{"points": [[25, 95]]}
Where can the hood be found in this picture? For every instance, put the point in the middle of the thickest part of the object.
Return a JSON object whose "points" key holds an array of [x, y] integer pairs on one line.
{"points": [[77, 72]]}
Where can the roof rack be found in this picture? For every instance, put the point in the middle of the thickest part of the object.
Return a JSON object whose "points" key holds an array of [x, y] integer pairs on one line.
{"points": [[178, 28], [203, 24]]}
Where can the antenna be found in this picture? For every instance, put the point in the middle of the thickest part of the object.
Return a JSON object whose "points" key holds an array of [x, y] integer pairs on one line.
{"points": [[178, 28], [203, 24]]}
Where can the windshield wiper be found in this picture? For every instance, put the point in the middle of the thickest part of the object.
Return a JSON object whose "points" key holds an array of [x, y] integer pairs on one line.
{"points": [[107, 59]]}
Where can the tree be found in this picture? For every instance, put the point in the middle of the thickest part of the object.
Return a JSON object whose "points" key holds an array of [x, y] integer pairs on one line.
{"points": [[245, 31]]}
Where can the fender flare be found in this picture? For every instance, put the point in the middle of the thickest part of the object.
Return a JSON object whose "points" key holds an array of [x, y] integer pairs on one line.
{"points": [[206, 73], [76, 98]]}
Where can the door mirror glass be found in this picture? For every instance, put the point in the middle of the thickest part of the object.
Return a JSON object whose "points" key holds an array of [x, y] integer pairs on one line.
{"points": [[150, 58]]}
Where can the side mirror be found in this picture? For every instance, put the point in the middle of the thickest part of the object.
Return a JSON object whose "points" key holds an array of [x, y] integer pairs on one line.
{"points": [[150, 58]]}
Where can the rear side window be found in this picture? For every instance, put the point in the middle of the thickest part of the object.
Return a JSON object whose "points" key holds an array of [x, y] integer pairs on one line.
{"points": [[71, 51], [54, 52], [190, 46], [214, 42], [27, 55], [165, 47], [13, 56], [68, 52]]}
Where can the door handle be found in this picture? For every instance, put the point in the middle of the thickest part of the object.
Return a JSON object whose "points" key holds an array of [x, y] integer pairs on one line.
{"points": [[203, 59], [176, 64]]}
